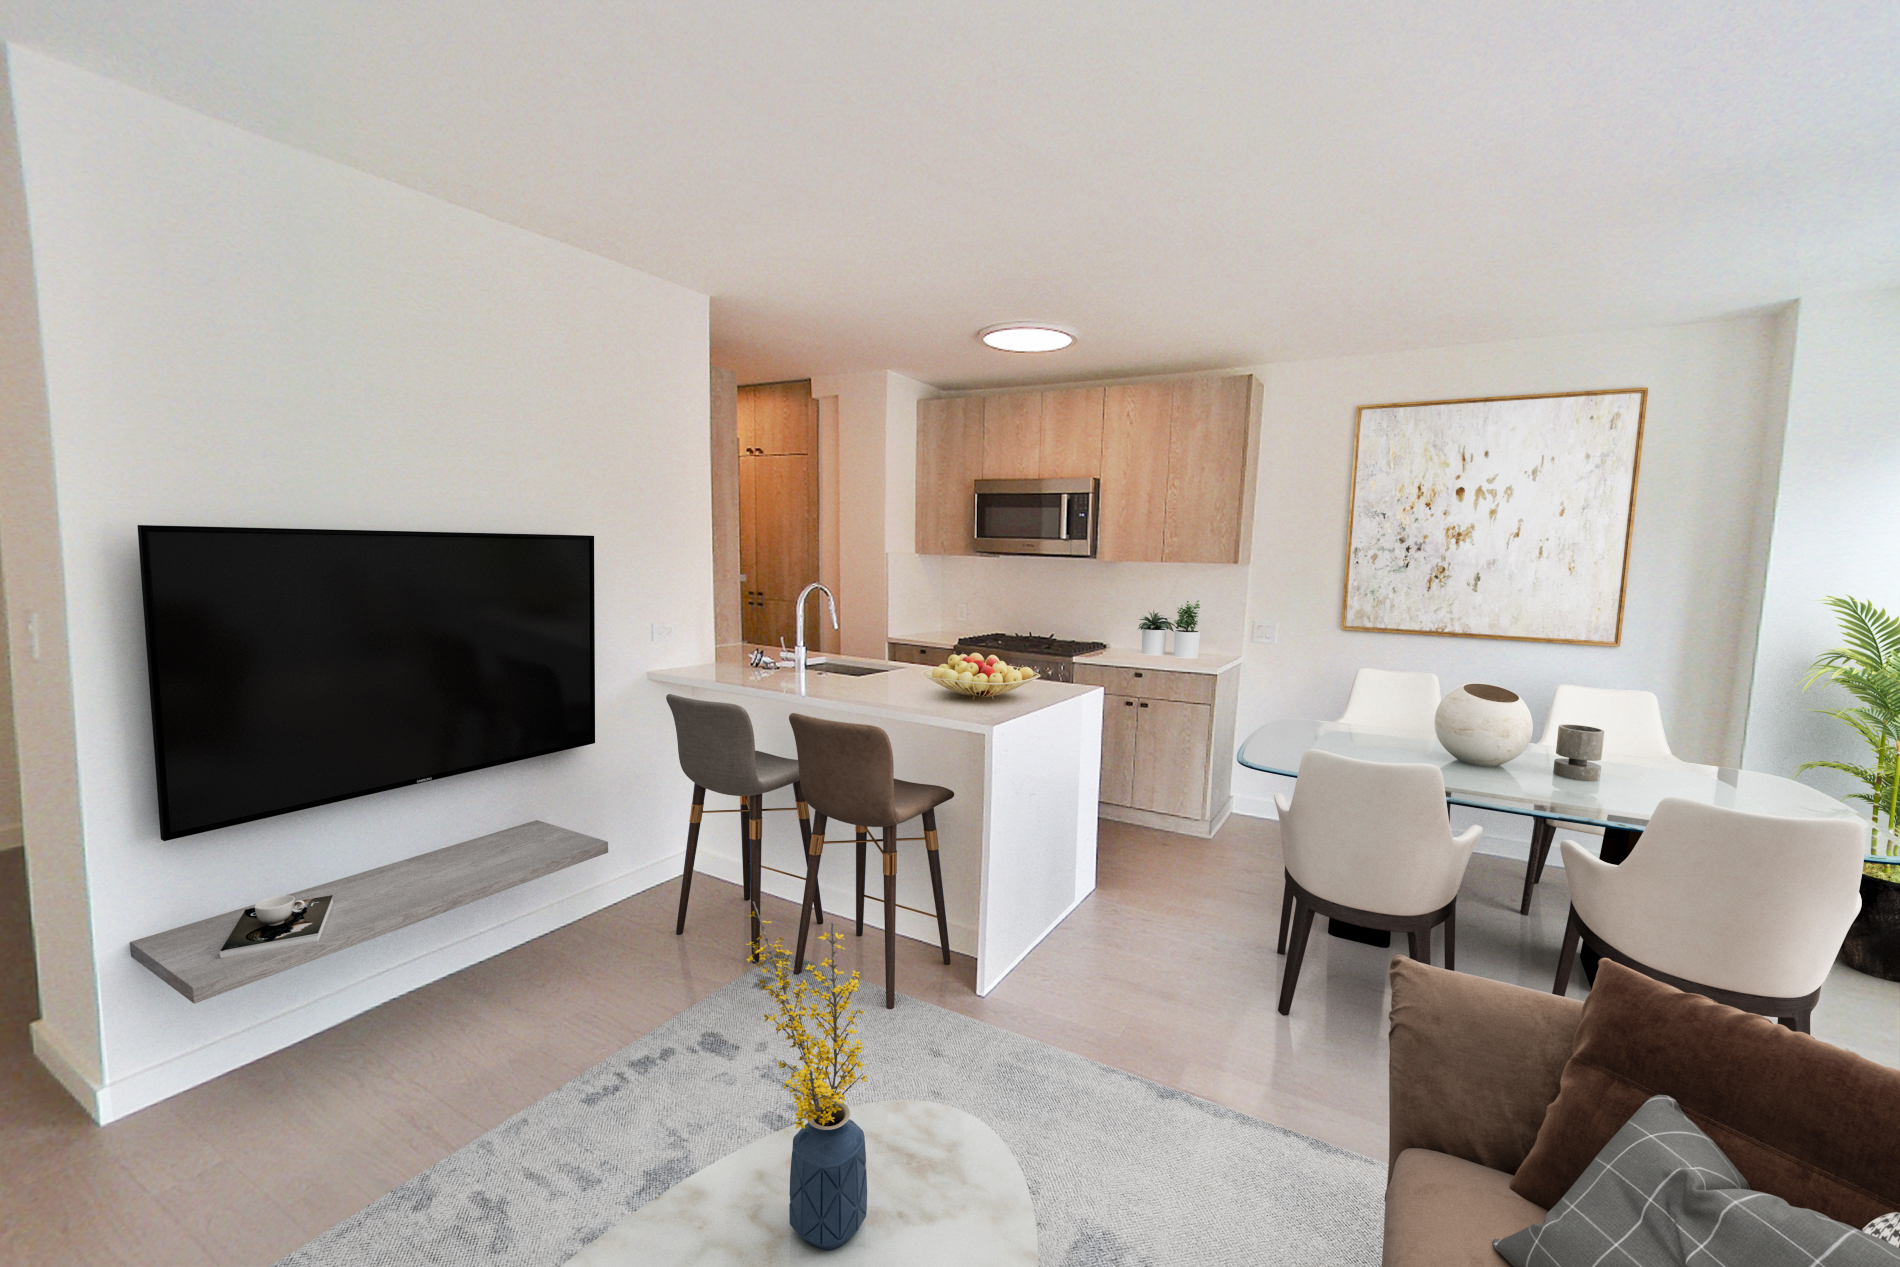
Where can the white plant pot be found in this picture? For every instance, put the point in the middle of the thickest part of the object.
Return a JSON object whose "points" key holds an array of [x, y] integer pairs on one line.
{"points": [[1154, 641], [1483, 725], [1187, 644]]}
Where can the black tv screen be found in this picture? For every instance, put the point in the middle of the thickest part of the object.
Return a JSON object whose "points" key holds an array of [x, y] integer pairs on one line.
{"points": [[291, 668]]}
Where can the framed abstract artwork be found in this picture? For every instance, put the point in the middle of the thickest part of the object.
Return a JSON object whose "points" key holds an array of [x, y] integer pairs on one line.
{"points": [[1503, 517]]}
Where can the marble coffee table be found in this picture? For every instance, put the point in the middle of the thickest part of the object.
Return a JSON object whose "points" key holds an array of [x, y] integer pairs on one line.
{"points": [[943, 1190]]}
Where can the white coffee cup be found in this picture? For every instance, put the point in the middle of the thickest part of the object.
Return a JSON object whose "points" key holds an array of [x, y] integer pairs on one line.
{"points": [[276, 910]]}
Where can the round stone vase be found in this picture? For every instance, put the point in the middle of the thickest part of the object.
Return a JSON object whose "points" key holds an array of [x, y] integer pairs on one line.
{"points": [[828, 1183], [1483, 725]]}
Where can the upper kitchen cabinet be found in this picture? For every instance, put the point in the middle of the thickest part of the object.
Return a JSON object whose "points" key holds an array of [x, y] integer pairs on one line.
{"points": [[778, 418], [1071, 445], [1176, 459], [1211, 436], [1132, 518], [949, 462], [1012, 436]]}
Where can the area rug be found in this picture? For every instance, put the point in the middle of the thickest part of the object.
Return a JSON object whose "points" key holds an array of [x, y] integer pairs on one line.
{"points": [[1123, 1172]]}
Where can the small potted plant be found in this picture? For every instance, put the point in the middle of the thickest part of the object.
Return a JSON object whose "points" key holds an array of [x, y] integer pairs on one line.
{"points": [[1868, 668], [814, 1014], [1154, 633], [1187, 630]]}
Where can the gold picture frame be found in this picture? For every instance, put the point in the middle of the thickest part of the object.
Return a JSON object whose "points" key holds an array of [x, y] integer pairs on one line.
{"points": [[1406, 553]]}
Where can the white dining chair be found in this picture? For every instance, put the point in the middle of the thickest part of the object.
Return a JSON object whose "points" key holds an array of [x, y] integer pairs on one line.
{"points": [[1747, 909], [1367, 842], [1403, 703], [1632, 726]]}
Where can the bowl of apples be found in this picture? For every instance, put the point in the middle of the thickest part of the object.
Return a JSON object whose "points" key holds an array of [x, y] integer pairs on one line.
{"points": [[980, 676]]}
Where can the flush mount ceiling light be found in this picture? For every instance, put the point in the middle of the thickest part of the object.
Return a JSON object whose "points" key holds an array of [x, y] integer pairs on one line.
{"points": [[1021, 336]]}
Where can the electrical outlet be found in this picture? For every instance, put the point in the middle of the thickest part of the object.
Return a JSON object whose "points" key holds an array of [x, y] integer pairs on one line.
{"points": [[1264, 631], [963, 611], [33, 634], [662, 633]]}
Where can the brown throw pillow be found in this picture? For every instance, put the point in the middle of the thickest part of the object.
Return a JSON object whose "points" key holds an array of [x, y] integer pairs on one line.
{"points": [[1814, 1125]]}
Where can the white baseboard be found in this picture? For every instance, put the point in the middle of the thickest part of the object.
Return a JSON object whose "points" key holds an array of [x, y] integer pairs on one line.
{"points": [[134, 1091], [50, 1050]]}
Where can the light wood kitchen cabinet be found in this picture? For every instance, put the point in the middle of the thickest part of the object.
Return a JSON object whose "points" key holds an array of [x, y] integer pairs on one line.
{"points": [[1071, 434], [1012, 436], [1119, 720], [1176, 458], [949, 462], [1132, 520], [778, 418], [1208, 483], [916, 653], [1167, 740], [1171, 747]]}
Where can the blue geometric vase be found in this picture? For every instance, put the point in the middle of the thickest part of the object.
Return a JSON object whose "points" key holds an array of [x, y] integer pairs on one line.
{"points": [[828, 1187]]}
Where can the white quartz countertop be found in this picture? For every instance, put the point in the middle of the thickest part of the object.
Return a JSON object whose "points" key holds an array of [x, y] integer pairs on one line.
{"points": [[906, 693], [1114, 657]]}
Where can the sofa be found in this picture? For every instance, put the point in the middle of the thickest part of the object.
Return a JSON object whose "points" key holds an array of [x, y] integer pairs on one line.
{"points": [[1479, 1067]]}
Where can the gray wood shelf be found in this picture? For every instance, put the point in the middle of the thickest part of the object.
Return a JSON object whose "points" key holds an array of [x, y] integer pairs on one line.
{"points": [[368, 905]]}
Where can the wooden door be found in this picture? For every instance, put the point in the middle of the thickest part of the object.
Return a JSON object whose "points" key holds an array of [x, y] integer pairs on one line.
{"points": [[1131, 521], [784, 419], [1119, 715], [1071, 434], [752, 613], [1012, 436], [778, 515], [1172, 745], [949, 462], [1207, 460]]}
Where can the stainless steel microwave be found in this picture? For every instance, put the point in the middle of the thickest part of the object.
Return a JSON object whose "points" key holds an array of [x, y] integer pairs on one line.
{"points": [[1036, 516]]}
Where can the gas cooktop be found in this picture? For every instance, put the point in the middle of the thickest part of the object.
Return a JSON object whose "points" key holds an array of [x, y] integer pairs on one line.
{"points": [[1032, 644]]}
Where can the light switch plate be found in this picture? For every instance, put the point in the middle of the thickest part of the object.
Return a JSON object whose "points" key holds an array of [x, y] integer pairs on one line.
{"points": [[662, 633], [963, 611], [1265, 631]]}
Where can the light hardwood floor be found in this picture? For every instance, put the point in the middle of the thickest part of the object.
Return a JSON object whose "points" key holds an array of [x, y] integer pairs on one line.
{"points": [[1167, 972]]}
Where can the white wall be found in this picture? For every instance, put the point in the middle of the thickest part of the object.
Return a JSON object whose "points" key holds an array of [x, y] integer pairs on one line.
{"points": [[1702, 517], [236, 332], [9, 752], [1837, 524], [877, 453]]}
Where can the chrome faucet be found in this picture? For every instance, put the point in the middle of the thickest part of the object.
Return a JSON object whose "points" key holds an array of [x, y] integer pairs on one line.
{"points": [[798, 652]]}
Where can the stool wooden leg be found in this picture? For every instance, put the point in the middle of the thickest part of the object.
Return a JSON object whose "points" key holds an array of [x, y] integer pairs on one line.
{"points": [[745, 849], [863, 838], [890, 917], [1451, 939], [804, 835], [813, 852], [1411, 944], [755, 813], [1568, 956], [692, 849], [936, 881], [1286, 910]]}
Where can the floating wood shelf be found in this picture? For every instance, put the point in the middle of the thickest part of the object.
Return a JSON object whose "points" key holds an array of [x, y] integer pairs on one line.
{"points": [[368, 905]]}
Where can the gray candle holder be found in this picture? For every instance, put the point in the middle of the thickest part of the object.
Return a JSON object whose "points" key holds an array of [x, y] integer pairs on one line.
{"points": [[1578, 749]]}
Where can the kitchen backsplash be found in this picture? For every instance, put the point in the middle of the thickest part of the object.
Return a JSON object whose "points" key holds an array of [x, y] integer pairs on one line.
{"points": [[1070, 598]]}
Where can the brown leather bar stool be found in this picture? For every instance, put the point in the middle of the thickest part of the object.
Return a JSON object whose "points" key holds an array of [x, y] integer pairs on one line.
{"points": [[848, 771], [716, 753]]}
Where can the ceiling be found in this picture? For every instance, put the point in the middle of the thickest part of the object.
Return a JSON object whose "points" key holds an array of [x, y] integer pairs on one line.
{"points": [[1187, 186]]}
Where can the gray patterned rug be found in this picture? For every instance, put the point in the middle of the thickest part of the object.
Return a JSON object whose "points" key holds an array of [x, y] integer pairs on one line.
{"points": [[1124, 1172]]}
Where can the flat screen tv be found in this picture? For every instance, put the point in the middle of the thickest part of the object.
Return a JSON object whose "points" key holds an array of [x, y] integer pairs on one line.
{"points": [[292, 668]]}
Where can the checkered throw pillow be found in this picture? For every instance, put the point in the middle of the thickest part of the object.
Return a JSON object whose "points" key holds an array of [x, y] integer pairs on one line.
{"points": [[1886, 1227], [1662, 1194]]}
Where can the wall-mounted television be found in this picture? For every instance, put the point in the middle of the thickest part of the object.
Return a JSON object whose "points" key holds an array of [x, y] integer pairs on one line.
{"points": [[294, 667]]}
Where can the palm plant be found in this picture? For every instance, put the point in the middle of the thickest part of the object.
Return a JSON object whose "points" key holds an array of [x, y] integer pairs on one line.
{"points": [[1155, 620], [1867, 667]]}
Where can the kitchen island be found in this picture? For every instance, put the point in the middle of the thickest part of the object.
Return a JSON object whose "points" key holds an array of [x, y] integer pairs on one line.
{"points": [[1017, 842]]}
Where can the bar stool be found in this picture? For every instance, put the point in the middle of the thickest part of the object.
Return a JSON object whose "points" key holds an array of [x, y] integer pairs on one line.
{"points": [[848, 770], [716, 753]]}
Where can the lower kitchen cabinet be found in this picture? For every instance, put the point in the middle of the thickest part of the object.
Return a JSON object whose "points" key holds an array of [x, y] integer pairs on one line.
{"points": [[1161, 730]]}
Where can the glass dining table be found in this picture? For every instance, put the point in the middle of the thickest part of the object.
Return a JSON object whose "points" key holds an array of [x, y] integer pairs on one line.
{"points": [[1621, 801]]}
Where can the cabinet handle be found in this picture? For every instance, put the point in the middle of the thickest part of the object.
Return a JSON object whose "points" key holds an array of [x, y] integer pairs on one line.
{"points": [[1128, 703], [1137, 675], [1144, 705]]}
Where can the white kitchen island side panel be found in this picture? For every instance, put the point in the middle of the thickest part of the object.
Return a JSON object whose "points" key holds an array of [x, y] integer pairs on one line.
{"points": [[1042, 773]]}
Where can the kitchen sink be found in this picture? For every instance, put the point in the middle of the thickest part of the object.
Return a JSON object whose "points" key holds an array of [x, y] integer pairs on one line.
{"points": [[849, 670]]}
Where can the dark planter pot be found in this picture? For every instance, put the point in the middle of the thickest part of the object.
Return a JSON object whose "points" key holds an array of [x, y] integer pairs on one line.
{"points": [[828, 1183], [1873, 942]]}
